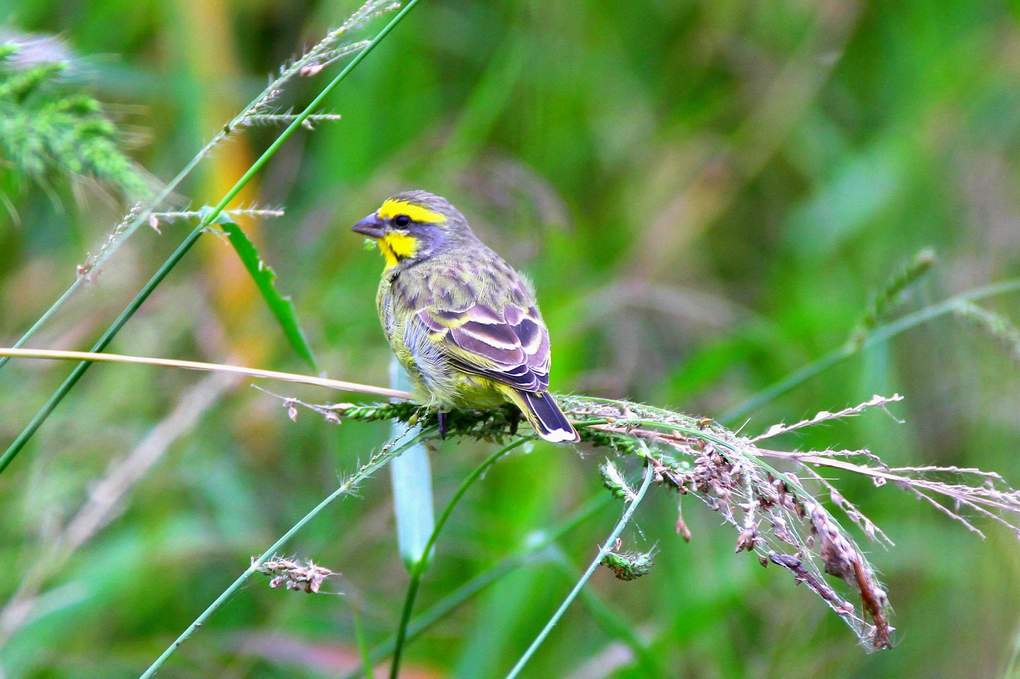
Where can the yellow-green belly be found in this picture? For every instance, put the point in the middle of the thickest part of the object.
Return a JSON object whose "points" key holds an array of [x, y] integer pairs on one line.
{"points": [[436, 381], [453, 388]]}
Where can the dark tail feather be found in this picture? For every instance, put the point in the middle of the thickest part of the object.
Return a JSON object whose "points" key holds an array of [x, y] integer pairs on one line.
{"points": [[545, 417]]}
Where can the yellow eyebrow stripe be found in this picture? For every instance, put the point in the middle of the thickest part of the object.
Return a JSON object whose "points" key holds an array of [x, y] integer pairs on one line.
{"points": [[391, 208]]}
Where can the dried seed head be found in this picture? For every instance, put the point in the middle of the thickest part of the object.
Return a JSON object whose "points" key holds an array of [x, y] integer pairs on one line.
{"points": [[746, 540], [306, 577], [681, 526]]}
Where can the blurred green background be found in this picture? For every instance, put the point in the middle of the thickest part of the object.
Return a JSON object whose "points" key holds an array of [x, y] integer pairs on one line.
{"points": [[705, 194]]}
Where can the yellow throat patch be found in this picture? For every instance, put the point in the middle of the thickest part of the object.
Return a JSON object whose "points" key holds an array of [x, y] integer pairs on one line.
{"points": [[391, 208], [395, 246]]}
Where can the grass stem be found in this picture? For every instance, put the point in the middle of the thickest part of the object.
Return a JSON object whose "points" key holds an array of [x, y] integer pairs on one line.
{"points": [[19, 443], [457, 598], [92, 357], [605, 549], [65, 387], [876, 336], [614, 624], [419, 567], [374, 464]]}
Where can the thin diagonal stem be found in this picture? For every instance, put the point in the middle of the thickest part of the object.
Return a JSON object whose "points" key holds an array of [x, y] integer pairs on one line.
{"points": [[79, 370], [132, 227], [93, 357], [452, 601], [68, 384], [419, 567], [139, 214], [44, 318], [373, 465], [614, 623], [605, 549], [880, 334]]}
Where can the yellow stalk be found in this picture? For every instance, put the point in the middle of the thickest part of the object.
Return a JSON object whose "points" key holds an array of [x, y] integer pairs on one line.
{"points": [[339, 385]]}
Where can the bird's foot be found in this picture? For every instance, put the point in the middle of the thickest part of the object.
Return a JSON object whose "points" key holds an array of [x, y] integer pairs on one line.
{"points": [[441, 416], [515, 420]]}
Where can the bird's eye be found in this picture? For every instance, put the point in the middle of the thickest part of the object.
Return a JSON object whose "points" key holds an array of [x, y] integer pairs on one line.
{"points": [[401, 220]]}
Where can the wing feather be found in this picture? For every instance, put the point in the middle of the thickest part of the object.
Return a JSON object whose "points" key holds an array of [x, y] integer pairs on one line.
{"points": [[509, 345]]}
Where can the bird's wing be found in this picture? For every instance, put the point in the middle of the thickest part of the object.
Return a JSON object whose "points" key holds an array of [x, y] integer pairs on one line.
{"points": [[509, 345]]}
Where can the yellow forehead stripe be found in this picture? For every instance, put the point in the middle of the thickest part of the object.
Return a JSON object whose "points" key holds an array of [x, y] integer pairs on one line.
{"points": [[391, 208]]}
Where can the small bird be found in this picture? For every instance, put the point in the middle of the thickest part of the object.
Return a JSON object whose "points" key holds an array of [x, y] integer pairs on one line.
{"points": [[462, 322]]}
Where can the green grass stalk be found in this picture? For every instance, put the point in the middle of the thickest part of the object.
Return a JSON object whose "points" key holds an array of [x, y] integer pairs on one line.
{"points": [[878, 335], [65, 387], [419, 566], [141, 213], [605, 549], [615, 624], [377, 461], [460, 596], [26, 434]]}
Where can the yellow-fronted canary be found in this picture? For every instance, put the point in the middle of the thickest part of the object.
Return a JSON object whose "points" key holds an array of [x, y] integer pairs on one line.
{"points": [[462, 322]]}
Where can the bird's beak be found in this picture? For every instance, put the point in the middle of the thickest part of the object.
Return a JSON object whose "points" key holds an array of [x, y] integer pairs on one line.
{"points": [[371, 226]]}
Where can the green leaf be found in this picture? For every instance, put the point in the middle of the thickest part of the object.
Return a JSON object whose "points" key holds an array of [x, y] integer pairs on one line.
{"points": [[363, 650], [411, 475], [265, 279]]}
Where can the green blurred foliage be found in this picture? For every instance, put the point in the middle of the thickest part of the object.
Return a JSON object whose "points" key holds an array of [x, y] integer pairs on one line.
{"points": [[706, 195], [45, 131]]}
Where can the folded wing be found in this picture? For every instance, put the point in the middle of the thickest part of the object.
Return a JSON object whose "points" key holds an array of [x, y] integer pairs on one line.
{"points": [[509, 345]]}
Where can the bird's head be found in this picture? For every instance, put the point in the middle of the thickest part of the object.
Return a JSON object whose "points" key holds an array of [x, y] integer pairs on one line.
{"points": [[413, 225]]}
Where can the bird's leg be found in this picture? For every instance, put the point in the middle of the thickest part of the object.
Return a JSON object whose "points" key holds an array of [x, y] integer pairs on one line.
{"points": [[515, 420], [441, 416]]}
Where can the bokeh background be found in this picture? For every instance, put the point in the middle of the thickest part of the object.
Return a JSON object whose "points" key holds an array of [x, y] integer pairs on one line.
{"points": [[705, 194]]}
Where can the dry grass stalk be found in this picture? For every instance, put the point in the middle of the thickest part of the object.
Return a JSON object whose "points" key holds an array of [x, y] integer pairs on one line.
{"points": [[998, 326], [107, 498], [775, 500], [772, 498], [260, 110], [826, 416]]}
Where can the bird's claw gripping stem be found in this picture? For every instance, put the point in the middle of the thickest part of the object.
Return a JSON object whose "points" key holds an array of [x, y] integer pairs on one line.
{"points": [[515, 420], [441, 416]]}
